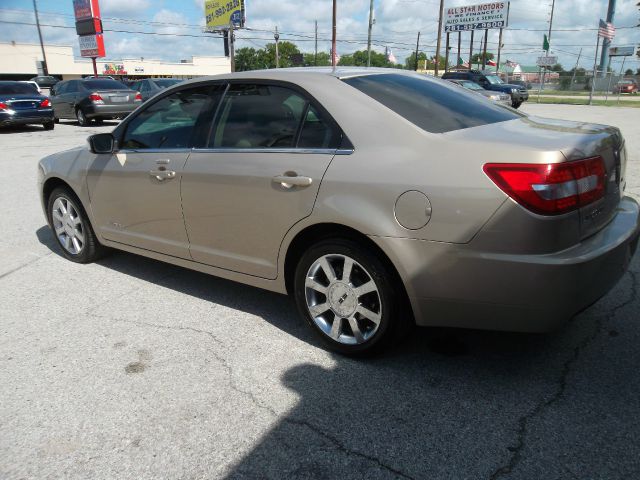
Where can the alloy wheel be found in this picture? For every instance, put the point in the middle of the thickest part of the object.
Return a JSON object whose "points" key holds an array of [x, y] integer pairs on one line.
{"points": [[67, 223], [343, 299]]}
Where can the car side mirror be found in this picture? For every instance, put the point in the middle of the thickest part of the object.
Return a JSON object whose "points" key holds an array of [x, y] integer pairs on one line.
{"points": [[102, 143]]}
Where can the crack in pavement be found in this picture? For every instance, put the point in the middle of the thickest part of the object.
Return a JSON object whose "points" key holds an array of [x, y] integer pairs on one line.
{"points": [[24, 265], [524, 420], [235, 387]]}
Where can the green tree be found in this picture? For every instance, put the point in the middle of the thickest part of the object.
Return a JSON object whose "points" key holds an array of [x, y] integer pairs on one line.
{"points": [[324, 59], [247, 59], [410, 61], [285, 50], [628, 71], [556, 68], [359, 59]]}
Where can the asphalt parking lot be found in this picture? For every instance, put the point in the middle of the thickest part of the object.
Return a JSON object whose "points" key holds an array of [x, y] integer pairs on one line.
{"points": [[131, 368]]}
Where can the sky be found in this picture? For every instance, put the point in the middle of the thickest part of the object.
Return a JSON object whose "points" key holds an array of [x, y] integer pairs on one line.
{"points": [[397, 25]]}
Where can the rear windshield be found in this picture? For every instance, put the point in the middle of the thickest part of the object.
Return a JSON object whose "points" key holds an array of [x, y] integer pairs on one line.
{"points": [[105, 84], [433, 105], [166, 82], [17, 88]]}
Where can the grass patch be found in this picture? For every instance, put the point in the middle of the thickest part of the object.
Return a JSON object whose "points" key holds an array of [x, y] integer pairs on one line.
{"points": [[576, 93], [585, 101]]}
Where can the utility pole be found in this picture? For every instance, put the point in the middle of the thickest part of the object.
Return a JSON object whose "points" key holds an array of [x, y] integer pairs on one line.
{"points": [[446, 58], [484, 50], [544, 71], [439, 37], [573, 77], [232, 50], [333, 37], [606, 43], [277, 37], [369, 37], [315, 58], [417, 48], [459, 45], [45, 70], [471, 50], [499, 50]]}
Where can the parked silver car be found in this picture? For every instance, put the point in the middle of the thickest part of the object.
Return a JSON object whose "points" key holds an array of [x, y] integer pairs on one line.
{"points": [[377, 198], [93, 99]]}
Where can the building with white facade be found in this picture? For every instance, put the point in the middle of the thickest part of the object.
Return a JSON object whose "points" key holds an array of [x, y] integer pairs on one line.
{"points": [[20, 61]]}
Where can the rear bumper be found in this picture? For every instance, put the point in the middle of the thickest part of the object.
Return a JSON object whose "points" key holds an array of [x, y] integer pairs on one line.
{"points": [[24, 117], [457, 286], [109, 111]]}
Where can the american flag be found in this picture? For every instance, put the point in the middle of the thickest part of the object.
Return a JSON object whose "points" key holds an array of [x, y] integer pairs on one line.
{"points": [[606, 30]]}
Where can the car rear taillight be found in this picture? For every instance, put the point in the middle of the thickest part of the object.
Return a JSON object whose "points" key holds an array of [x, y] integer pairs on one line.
{"points": [[95, 98], [138, 97], [4, 106], [551, 188], [45, 103]]}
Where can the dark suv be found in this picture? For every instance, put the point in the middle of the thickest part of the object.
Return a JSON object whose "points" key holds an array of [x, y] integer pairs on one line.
{"points": [[490, 81]]}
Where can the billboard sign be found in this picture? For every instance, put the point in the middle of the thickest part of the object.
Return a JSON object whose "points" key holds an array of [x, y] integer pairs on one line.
{"points": [[82, 9], [621, 51], [546, 61], [92, 45], [477, 17], [220, 14]]}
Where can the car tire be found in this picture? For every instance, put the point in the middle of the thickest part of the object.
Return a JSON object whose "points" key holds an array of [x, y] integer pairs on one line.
{"points": [[49, 125], [516, 104], [326, 292], [71, 227], [83, 121], [98, 121], [56, 120]]}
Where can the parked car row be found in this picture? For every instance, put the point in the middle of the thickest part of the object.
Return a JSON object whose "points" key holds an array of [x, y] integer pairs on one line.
{"points": [[490, 81], [88, 100]]}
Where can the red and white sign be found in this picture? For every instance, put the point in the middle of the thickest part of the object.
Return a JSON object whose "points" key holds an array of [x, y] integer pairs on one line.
{"points": [[92, 46]]}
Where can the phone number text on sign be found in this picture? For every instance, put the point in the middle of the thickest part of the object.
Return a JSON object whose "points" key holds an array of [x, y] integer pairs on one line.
{"points": [[475, 26], [215, 10]]}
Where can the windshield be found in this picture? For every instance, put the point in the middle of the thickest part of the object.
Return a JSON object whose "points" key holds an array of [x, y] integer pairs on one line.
{"points": [[493, 79], [105, 84], [472, 85], [166, 82], [17, 88], [433, 105]]}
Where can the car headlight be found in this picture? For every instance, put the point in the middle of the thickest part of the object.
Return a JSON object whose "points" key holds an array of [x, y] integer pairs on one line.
{"points": [[495, 97], [514, 90]]}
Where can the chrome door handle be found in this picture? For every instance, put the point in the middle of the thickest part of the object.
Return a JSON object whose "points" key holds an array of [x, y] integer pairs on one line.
{"points": [[161, 175], [290, 181]]}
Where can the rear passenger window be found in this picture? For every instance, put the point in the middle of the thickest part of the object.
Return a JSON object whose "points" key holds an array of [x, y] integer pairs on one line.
{"points": [[168, 123], [257, 116], [269, 116], [316, 133]]}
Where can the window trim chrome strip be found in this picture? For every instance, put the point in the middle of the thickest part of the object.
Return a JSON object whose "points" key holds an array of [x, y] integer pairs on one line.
{"points": [[312, 151]]}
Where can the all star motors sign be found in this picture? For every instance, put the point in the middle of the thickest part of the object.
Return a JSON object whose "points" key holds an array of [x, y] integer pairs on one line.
{"points": [[477, 17]]}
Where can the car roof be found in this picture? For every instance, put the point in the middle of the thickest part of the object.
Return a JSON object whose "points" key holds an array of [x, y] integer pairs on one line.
{"points": [[289, 74]]}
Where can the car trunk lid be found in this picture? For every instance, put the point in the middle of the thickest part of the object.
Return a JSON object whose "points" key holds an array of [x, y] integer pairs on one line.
{"points": [[117, 97], [566, 141]]}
